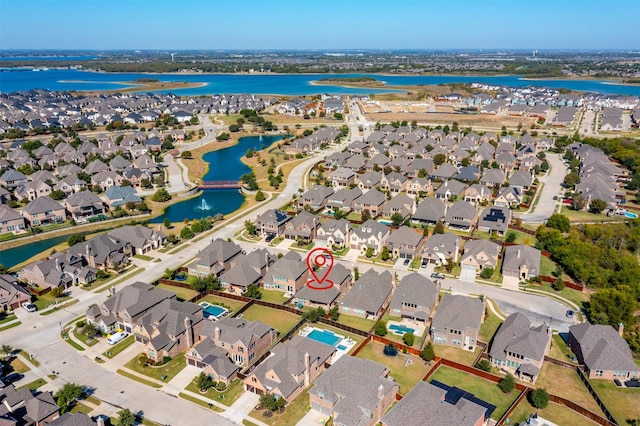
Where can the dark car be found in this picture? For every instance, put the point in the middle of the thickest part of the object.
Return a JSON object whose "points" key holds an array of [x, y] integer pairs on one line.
{"points": [[406, 262], [570, 313], [13, 377], [437, 275], [269, 238]]}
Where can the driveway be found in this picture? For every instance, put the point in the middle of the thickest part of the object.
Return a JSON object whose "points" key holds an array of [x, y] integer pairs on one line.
{"points": [[243, 406], [313, 418], [546, 204]]}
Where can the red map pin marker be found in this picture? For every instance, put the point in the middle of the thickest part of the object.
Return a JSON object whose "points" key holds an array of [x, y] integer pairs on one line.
{"points": [[320, 257]]}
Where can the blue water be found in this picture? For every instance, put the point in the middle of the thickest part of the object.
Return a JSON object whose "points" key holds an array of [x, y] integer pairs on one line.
{"points": [[342, 347], [224, 164], [13, 256], [324, 336], [401, 329], [286, 84], [631, 215], [214, 311], [48, 58]]}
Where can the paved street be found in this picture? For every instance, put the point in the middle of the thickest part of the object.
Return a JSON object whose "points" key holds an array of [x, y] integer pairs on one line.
{"points": [[547, 205]]}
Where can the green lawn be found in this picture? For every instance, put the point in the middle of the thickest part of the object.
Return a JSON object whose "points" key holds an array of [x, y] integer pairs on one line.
{"points": [[273, 296], [585, 216], [457, 354], [227, 397], [119, 347], [181, 293], [407, 376], [136, 271], [199, 402], [33, 385], [47, 299], [489, 327], [164, 373], [556, 413], [481, 388], [559, 349], [138, 379], [7, 318], [566, 383], [622, 403], [79, 407], [574, 296], [33, 360], [356, 322], [232, 305], [143, 257], [280, 320], [89, 341], [13, 324], [293, 413], [547, 266]]}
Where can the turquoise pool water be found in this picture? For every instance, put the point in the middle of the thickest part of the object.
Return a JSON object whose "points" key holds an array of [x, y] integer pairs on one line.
{"points": [[401, 329], [631, 215], [385, 221], [213, 311], [342, 347], [324, 336]]}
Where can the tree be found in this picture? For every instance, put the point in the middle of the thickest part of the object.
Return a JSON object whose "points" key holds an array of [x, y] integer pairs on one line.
{"points": [[269, 401], [224, 136], [204, 381], [186, 233], [334, 313], [539, 398], [597, 206], [439, 228], [578, 202], [484, 365], [186, 155], [507, 384], [397, 219], [611, 306], [439, 159], [366, 215], [7, 351], [559, 222], [253, 292], [408, 338], [356, 274], [209, 282], [260, 196], [90, 330], [428, 353], [558, 284], [75, 239], [369, 252], [169, 274], [487, 272], [67, 395], [449, 265], [571, 179], [234, 128], [126, 418], [511, 237], [250, 227], [161, 196], [380, 328], [385, 253], [167, 223], [249, 153], [57, 195], [314, 315]]}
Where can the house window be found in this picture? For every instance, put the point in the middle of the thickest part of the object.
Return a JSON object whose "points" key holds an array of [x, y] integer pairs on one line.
{"points": [[598, 373]]}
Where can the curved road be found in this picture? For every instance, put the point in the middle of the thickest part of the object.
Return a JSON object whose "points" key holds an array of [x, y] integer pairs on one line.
{"points": [[547, 205]]}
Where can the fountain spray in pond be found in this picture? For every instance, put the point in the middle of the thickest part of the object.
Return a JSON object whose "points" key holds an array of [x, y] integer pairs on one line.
{"points": [[204, 206]]}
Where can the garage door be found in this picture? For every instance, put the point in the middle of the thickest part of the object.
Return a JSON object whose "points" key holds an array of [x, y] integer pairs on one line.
{"points": [[468, 273], [322, 410]]}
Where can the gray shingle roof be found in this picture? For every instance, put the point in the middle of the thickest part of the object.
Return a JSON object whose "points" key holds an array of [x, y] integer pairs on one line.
{"points": [[521, 255], [602, 348], [369, 292], [458, 313], [415, 289], [516, 335], [42, 205]]}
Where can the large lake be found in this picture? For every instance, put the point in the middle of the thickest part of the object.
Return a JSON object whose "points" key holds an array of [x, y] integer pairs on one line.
{"points": [[284, 84]]}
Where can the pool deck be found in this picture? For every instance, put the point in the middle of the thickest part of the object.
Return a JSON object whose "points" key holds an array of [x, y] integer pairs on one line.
{"points": [[347, 342], [419, 328]]}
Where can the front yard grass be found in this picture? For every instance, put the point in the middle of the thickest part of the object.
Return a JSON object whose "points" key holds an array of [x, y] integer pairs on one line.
{"points": [[280, 320], [406, 376], [119, 347], [565, 382], [227, 397], [457, 354], [164, 373], [231, 304], [181, 293], [138, 379], [200, 402], [622, 403], [559, 349], [8, 318], [273, 296], [585, 216], [18, 366], [293, 413], [89, 341], [79, 407], [47, 299], [575, 296], [33, 385], [356, 322], [489, 327], [483, 389], [556, 413], [143, 257]]}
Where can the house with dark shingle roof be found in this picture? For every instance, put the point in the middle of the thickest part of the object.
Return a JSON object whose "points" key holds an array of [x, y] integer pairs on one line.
{"points": [[121, 195], [429, 212], [372, 200], [334, 233], [338, 277], [402, 204], [371, 234], [405, 243], [302, 226], [213, 361], [342, 177], [495, 219], [316, 197], [440, 248], [521, 180], [478, 254], [249, 270], [521, 261], [103, 251], [427, 404], [450, 189], [44, 211], [288, 274], [272, 222], [291, 367], [343, 198], [415, 298], [219, 256], [353, 391], [11, 221], [520, 348], [369, 295], [12, 294], [461, 215], [141, 238], [84, 205], [21, 407], [75, 419], [603, 351], [457, 321]]}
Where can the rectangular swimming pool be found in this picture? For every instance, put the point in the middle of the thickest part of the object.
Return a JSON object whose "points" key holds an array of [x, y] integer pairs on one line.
{"points": [[324, 336], [401, 329], [214, 311]]}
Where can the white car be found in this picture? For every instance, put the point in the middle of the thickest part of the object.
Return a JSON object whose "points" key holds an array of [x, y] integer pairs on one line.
{"points": [[29, 307]]}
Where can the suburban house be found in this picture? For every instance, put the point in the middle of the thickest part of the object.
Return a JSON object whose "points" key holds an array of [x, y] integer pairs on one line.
{"points": [[219, 256], [371, 234], [495, 220], [339, 278], [213, 361], [429, 212], [508, 197], [272, 222], [22, 407], [343, 198], [457, 321], [288, 274], [372, 200], [451, 189], [603, 351], [316, 197], [369, 295], [11, 221], [121, 195], [520, 348], [521, 262], [12, 179], [521, 180], [478, 254], [290, 368], [334, 233], [405, 243], [59, 270], [249, 270], [84, 205], [415, 298], [12, 294], [353, 391], [462, 216], [44, 211], [104, 251], [141, 238], [400, 204], [428, 404], [342, 177], [441, 248], [302, 226]]}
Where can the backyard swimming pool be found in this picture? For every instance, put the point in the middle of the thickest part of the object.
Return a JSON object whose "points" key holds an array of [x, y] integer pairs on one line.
{"points": [[401, 329], [213, 311], [325, 336]]}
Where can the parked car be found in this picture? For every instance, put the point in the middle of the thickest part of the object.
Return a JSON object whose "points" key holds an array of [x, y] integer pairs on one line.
{"points": [[570, 313], [116, 337], [555, 197], [406, 262], [269, 238], [424, 265], [29, 307], [437, 275], [13, 377]]}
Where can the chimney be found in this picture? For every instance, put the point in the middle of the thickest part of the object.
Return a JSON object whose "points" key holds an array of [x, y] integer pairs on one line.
{"points": [[113, 291], [307, 368], [58, 265], [188, 331], [620, 328], [100, 420], [88, 250], [380, 391], [518, 255], [216, 336]]}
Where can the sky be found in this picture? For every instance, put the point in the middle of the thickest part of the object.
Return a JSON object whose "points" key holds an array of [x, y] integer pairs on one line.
{"points": [[311, 24]]}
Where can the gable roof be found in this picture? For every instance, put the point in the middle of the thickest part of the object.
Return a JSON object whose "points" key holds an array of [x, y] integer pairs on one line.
{"points": [[522, 255], [603, 348], [369, 292], [516, 335], [417, 290], [458, 312]]}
